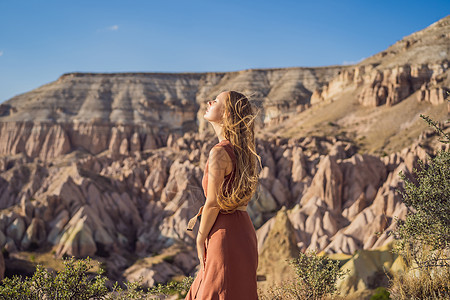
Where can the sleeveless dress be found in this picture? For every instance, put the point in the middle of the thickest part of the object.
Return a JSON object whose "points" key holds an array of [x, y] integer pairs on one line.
{"points": [[231, 252]]}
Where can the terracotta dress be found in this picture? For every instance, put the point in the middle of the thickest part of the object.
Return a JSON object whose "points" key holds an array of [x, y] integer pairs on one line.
{"points": [[231, 253]]}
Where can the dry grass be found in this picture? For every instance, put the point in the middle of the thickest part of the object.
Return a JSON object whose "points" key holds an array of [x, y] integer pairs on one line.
{"points": [[287, 291], [391, 129], [421, 284], [277, 293], [319, 118], [48, 260]]}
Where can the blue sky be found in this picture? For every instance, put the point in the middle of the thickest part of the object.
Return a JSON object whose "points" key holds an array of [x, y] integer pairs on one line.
{"points": [[41, 40]]}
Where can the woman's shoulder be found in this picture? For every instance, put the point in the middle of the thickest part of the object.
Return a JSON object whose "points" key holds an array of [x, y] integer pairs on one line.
{"points": [[221, 152], [226, 146], [217, 151]]}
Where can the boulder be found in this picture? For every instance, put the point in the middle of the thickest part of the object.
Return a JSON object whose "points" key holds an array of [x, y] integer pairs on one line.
{"points": [[16, 230], [35, 235], [279, 245]]}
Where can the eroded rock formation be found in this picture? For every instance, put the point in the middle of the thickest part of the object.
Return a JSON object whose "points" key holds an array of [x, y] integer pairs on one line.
{"points": [[418, 64], [101, 206], [130, 112]]}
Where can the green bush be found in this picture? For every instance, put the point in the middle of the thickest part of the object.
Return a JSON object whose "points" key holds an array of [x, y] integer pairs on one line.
{"points": [[428, 222], [316, 278], [173, 287], [380, 294], [75, 282], [71, 283], [423, 238]]}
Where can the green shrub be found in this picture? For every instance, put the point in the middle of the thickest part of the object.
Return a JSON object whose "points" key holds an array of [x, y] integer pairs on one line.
{"points": [[173, 287], [71, 283], [75, 282], [316, 278], [427, 224], [423, 238], [380, 294]]}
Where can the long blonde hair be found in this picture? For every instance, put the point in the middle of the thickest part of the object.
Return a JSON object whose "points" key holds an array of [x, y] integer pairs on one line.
{"points": [[238, 128]]}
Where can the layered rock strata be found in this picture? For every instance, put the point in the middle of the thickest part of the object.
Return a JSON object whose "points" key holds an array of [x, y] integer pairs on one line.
{"points": [[418, 64], [131, 112]]}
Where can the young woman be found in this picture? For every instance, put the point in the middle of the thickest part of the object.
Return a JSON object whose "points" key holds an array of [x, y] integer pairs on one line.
{"points": [[226, 239]]}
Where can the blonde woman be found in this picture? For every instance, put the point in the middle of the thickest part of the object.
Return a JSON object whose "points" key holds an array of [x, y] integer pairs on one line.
{"points": [[226, 239]]}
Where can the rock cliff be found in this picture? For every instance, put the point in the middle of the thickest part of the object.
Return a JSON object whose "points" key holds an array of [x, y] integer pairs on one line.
{"points": [[130, 112], [417, 64]]}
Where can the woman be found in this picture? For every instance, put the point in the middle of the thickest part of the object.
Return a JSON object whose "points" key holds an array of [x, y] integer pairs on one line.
{"points": [[226, 239]]}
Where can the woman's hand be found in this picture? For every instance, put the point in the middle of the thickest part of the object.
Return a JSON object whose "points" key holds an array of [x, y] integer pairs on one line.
{"points": [[201, 252]]}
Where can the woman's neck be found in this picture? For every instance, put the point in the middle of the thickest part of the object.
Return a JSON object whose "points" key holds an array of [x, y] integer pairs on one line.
{"points": [[218, 129]]}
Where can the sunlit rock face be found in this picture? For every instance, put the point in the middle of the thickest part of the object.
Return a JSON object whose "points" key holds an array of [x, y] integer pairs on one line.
{"points": [[98, 112], [131, 112], [418, 64]]}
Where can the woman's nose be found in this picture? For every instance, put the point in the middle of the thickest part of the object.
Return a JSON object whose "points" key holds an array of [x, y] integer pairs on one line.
{"points": [[209, 102]]}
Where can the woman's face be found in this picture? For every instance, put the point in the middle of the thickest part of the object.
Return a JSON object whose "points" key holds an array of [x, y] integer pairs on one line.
{"points": [[216, 108]]}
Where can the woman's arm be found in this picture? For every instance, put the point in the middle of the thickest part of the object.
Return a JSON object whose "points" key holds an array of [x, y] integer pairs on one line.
{"points": [[218, 162]]}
